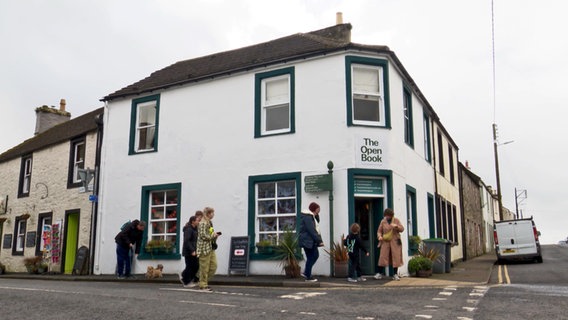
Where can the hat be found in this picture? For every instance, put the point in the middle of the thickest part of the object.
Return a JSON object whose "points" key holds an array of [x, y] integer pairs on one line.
{"points": [[313, 206]]}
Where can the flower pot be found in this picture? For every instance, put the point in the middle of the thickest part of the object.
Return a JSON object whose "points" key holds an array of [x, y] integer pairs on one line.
{"points": [[292, 271], [340, 269], [424, 273]]}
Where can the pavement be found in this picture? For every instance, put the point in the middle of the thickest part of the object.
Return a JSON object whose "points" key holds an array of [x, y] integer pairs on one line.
{"points": [[476, 271]]}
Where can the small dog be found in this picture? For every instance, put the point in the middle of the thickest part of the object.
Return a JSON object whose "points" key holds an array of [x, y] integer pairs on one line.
{"points": [[154, 272]]}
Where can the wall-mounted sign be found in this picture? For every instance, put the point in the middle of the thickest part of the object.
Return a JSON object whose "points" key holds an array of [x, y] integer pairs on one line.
{"points": [[318, 183], [368, 187], [369, 151], [7, 241]]}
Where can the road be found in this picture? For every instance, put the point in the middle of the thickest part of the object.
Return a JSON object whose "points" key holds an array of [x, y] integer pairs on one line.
{"points": [[535, 290]]}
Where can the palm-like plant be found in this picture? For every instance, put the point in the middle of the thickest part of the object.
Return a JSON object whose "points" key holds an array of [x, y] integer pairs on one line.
{"points": [[338, 251], [286, 251]]}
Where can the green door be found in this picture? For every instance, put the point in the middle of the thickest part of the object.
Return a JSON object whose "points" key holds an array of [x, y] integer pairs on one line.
{"points": [[368, 214], [71, 241]]}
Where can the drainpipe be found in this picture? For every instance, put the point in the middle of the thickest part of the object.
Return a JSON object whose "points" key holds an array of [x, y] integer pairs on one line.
{"points": [[94, 214]]}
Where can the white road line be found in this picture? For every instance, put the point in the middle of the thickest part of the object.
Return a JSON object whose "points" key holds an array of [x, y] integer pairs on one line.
{"points": [[423, 316], [365, 318], [431, 307], [307, 313], [210, 304], [470, 309], [302, 295], [439, 299], [443, 293]]}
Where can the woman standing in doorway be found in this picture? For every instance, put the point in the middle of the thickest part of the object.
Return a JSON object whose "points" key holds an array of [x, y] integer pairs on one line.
{"points": [[390, 244]]}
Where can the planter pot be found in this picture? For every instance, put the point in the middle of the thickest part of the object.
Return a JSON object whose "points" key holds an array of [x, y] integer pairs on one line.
{"points": [[424, 273], [292, 271], [340, 269]]}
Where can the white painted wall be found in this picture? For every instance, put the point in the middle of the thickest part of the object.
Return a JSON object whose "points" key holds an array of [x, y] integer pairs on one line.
{"points": [[206, 143]]}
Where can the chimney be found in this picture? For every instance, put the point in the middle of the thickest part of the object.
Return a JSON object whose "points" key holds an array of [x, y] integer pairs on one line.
{"points": [[49, 117], [467, 165], [339, 18]]}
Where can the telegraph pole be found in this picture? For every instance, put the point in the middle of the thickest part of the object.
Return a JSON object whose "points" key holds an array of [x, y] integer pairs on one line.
{"points": [[499, 199]]}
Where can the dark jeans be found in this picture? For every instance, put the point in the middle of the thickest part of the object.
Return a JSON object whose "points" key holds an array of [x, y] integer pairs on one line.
{"points": [[191, 268], [354, 266], [122, 261], [312, 255]]}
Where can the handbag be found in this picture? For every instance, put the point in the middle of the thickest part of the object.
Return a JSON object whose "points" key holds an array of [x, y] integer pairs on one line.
{"points": [[387, 236]]}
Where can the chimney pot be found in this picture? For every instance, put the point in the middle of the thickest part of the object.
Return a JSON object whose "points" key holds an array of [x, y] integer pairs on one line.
{"points": [[62, 104], [339, 18]]}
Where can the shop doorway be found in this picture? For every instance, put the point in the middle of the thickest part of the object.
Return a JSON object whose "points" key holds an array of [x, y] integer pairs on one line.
{"points": [[71, 241], [368, 214]]}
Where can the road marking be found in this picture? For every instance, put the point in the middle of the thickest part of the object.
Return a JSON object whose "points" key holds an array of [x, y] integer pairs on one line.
{"points": [[424, 316], [365, 318], [439, 299], [210, 304], [443, 293], [505, 273], [302, 295], [470, 309]]}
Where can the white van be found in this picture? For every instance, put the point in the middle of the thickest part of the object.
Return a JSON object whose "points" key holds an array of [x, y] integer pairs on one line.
{"points": [[516, 240]]}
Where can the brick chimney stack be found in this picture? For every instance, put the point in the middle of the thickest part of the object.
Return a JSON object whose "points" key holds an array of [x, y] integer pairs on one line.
{"points": [[49, 117]]}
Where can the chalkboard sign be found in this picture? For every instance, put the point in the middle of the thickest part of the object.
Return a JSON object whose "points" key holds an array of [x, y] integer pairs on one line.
{"points": [[31, 239], [7, 243], [81, 261], [239, 255]]}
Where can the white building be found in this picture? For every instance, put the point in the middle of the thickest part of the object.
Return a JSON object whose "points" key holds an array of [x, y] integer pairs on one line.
{"points": [[243, 130]]}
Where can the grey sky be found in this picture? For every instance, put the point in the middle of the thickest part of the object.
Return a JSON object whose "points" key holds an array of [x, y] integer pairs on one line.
{"points": [[84, 50]]}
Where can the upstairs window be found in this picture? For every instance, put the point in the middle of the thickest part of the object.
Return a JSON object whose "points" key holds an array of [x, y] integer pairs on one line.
{"points": [[407, 111], [25, 177], [274, 106], [76, 162], [441, 155], [367, 100], [144, 124], [427, 150]]}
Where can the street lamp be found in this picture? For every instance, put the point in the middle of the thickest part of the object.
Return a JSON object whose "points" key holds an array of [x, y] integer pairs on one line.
{"points": [[495, 145]]}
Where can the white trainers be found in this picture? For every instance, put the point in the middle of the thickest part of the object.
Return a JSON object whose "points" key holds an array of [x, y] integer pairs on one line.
{"points": [[396, 277], [361, 279], [190, 284], [378, 276], [351, 280]]}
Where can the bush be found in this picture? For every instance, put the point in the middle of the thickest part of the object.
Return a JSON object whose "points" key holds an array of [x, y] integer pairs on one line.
{"points": [[419, 263]]}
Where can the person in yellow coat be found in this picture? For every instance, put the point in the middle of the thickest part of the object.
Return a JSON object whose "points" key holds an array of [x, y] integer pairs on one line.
{"points": [[390, 244]]}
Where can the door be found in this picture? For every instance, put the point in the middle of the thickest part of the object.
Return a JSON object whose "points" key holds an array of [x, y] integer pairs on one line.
{"points": [[368, 214], [71, 241]]}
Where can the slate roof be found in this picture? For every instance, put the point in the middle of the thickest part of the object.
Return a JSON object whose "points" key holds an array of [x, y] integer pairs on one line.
{"points": [[58, 134], [294, 47]]}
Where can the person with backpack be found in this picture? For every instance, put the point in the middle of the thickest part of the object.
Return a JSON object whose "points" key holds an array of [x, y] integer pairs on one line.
{"points": [[130, 236], [354, 245]]}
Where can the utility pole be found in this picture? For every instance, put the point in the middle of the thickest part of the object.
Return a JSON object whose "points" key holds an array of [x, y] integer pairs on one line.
{"points": [[499, 199], [522, 195]]}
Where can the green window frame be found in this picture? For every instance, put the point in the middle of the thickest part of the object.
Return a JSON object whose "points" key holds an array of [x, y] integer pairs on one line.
{"points": [[161, 210], [367, 87], [411, 214], [144, 125], [274, 103], [279, 205], [427, 139], [408, 121]]}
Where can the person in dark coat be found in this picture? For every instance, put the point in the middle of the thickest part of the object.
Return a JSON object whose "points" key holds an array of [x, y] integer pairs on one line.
{"points": [[354, 246], [310, 238], [126, 239], [189, 251]]}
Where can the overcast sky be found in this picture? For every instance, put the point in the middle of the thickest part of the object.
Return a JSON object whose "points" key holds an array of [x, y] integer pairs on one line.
{"points": [[84, 50]]}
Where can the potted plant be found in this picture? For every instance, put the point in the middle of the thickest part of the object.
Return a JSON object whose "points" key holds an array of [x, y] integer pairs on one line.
{"points": [[287, 252], [414, 243], [339, 255], [265, 246], [33, 263], [159, 247], [420, 266]]}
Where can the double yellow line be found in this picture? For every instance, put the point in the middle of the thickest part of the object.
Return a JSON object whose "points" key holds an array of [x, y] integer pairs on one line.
{"points": [[503, 273]]}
